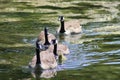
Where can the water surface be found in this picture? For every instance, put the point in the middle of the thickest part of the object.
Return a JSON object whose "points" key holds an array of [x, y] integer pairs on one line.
{"points": [[94, 54]]}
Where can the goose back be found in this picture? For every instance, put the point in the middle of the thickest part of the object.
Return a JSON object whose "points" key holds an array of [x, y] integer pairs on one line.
{"points": [[41, 37], [70, 27]]}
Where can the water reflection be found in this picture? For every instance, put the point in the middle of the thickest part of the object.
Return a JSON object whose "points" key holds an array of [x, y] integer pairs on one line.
{"points": [[38, 73], [113, 42], [70, 38], [95, 54]]}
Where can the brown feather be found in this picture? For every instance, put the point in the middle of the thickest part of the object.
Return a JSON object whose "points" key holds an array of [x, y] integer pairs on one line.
{"points": [[61, 49], [72, 26], [48, 60], [41, 37]]}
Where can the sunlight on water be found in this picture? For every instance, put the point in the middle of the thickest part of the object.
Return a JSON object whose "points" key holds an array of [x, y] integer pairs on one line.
{"points": [[113, 42], [112, 63]]}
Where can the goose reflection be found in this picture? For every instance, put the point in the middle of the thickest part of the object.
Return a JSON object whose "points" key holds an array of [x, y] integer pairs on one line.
{"points": [[70, 38], [38, 73]]}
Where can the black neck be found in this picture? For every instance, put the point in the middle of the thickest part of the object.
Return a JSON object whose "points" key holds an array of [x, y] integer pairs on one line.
{"points": [[62, 29], [38, 56], [37, 45], [46, 37], [55, 49]]}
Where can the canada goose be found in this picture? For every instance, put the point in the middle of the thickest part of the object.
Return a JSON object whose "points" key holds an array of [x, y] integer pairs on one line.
{"points": [[49, 73], [45, 59], [70, 27], [45, 38], [59, 51], [61, 48]]}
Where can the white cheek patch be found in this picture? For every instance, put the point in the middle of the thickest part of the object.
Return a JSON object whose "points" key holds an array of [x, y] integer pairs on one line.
{"points": [[56, 41], [40, 46], [63, 18], [59, 19]]}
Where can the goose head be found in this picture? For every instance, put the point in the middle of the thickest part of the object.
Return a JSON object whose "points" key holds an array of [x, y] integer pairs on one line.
{"points": [[61, 18], [54, 41]]}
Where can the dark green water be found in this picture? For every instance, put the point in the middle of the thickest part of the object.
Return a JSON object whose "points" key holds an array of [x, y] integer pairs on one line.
{"points": [[94, 54]]}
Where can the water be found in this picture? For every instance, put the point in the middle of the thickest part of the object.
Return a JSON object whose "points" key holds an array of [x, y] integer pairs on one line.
{"points": [[94, 54]]}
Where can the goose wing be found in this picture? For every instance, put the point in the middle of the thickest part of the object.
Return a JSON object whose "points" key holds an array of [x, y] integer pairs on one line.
{"points": [[73, 26], [63, 49], [41, 37], [47, 60]]}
